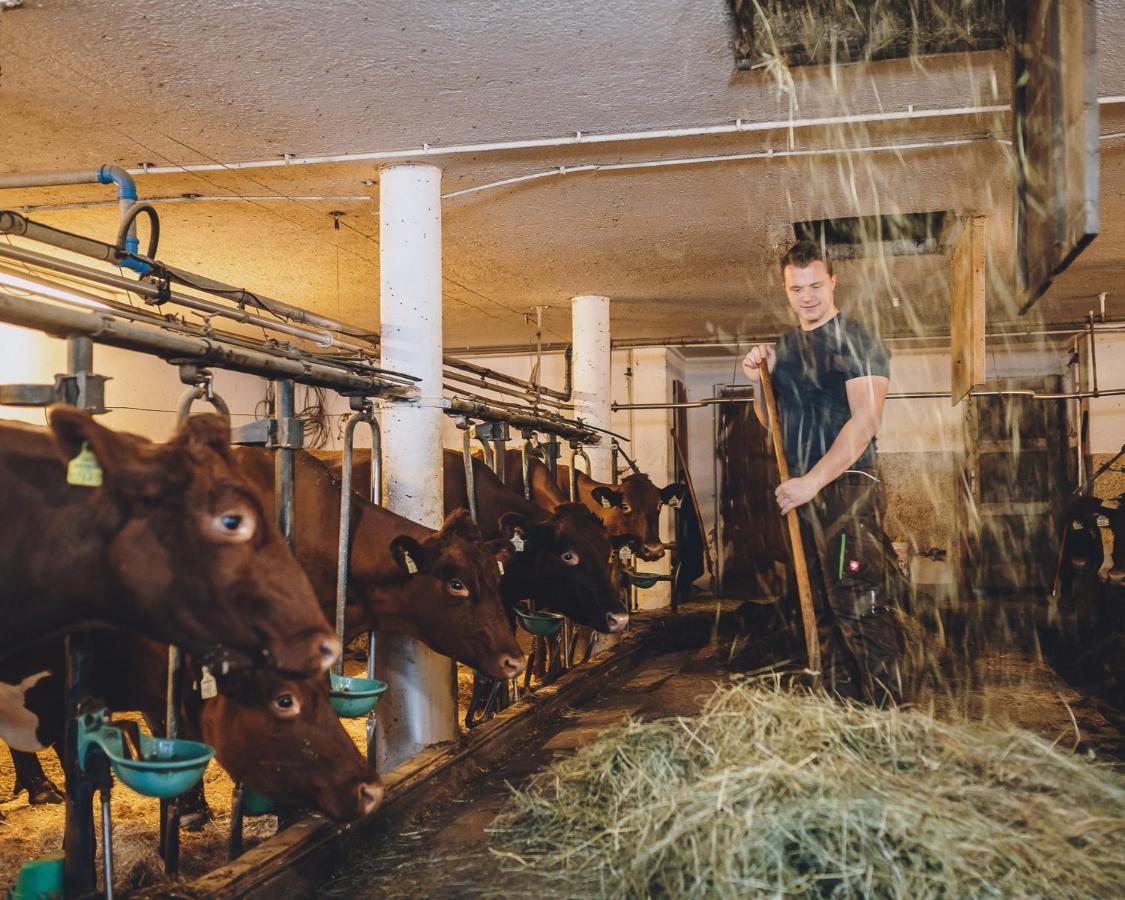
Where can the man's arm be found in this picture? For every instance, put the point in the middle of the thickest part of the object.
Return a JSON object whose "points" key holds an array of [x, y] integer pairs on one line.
{"points": [[866, 397], [750, 366]]}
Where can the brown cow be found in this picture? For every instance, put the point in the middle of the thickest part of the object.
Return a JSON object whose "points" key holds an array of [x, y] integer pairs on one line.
{"points": [[451, 601], [279, 736], [175, 544], [565, 565], [631, 507]]}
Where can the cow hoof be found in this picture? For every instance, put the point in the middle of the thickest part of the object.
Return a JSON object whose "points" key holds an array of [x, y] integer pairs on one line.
{"points": [[40, 794], [196, 820]]}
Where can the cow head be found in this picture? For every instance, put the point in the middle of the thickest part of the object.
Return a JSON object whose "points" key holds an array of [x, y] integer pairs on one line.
{"points": [[282, 738], [452, 599], [633, 507], [195, 557], [566, 565]]}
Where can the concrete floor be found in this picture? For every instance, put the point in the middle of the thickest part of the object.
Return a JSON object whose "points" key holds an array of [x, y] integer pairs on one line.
{"points": [[444, 853]]}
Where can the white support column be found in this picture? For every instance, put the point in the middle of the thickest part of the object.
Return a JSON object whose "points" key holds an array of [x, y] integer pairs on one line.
{"points": [[592, 396], [420, 706], [651, 447]]}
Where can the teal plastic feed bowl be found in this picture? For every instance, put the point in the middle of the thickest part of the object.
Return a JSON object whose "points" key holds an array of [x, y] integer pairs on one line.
{"points": [[167, 768], [255, 804], [354, 697], [39, 879], [644, 580], [541, 624]]}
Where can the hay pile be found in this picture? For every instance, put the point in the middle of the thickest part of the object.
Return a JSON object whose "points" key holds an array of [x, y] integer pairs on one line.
{"points": [[773, 793]]}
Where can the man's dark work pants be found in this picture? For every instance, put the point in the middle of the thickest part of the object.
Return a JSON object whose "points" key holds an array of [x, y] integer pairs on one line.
{"points": [[855, 583]]}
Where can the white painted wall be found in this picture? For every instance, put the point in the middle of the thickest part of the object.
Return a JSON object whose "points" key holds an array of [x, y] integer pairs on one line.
{"points": [[1107, 414]]}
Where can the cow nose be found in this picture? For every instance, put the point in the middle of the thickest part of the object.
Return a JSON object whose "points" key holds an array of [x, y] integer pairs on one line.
{"points": [[654, 552], [329, 651], [511, 666], [616, 621], [370, 796]]}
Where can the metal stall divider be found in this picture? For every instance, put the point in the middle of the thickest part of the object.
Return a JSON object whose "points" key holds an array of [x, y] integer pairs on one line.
{"points": [[285, 434], [569, 633], [364, 414], [201, 387]]}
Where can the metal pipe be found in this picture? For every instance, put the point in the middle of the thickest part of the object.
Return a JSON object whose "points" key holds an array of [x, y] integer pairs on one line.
{"points": [[107, 840], [19, 225], [375, 492], [499, 460], [582, 138], [909, 395], [284, 459], [103, 328], [492, 374], [525, 467], [498, 389], [470, 476], [1093, 357], [576, 454], [539, 421], [1062, 329], [156, 292]]}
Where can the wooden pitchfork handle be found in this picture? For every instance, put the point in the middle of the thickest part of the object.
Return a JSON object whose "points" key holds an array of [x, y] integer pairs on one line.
{"points": [[800, 563]]}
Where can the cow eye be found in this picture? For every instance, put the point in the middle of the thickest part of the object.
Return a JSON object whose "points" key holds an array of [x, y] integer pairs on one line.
{"points": [[232, 526], [625, 507], [286, 705], [457, 587], [570, 558]]}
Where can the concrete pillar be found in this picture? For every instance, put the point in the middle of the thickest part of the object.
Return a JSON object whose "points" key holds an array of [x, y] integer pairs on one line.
{"points": [[420, 706], [592, 395], [651, 447]]}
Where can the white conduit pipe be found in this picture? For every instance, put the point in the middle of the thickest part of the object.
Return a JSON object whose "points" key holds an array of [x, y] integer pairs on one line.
{"points": [[581, 137]]}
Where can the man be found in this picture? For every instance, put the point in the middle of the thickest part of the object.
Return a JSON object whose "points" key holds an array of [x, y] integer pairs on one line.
{"points": [[830, 376]]}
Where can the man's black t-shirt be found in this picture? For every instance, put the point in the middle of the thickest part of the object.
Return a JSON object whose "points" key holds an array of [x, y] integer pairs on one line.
{"points": [[812, 369]]}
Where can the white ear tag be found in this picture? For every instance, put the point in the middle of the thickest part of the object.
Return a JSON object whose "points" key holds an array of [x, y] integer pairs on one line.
{"points": [[84, 470], [625, 553], [518, 542], [675, 502], [208, 686], [605, 502], [500, 565], [411, 566], [1103, 522]]}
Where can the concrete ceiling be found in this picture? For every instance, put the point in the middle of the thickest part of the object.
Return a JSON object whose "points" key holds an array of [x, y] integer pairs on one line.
{"points": [[684, 251]]}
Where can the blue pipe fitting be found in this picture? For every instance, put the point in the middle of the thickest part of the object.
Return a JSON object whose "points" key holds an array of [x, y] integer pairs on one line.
{"points": [[126, 186]]}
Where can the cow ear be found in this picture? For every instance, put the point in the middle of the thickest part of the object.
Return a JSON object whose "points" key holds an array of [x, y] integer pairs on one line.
{"points": [[513, 527], [205, 431], [673, 494], [123, 462], [502, 550], [408, 553], [607, 497], [460, 523]]}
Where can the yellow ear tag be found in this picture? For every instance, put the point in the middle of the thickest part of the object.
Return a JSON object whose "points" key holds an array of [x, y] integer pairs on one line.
{"points": [[84, 470], [605, 502]]}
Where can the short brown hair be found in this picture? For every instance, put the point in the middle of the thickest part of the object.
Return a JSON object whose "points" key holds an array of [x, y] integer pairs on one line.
{"points": [[803, 254]]}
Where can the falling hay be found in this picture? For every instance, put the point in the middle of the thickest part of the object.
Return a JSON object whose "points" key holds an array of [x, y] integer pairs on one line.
{"points": [[774, 793]]}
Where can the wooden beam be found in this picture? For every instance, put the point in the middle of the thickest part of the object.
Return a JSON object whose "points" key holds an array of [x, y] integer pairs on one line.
{"points": [[967, 309]]}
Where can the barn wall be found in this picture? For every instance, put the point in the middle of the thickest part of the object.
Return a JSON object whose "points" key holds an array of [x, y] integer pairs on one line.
{"points": [[1107, 414]]}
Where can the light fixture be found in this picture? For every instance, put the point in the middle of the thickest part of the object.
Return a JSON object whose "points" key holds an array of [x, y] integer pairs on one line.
{"points": [[49, 291]]}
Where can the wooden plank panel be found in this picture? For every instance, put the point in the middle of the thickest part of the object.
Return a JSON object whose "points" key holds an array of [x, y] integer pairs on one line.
{"points": [[1055, 125], [967, 311]]}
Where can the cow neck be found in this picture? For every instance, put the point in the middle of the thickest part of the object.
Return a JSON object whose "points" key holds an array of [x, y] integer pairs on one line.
{"points": [[377, 586], [57, 557], [545, 491]]}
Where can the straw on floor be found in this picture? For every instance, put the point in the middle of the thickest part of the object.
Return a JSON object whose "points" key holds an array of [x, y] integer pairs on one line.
{"points": [[776, 793]]}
